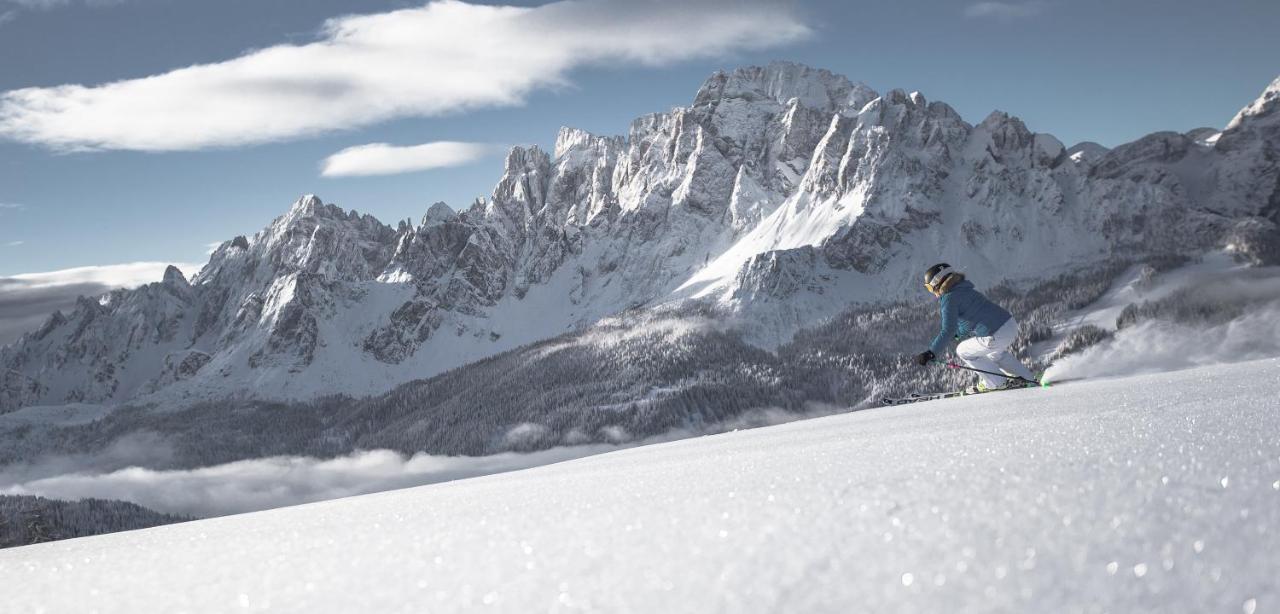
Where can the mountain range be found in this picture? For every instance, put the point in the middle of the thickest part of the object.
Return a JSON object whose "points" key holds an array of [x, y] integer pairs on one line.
{"points": [[779, 197]]}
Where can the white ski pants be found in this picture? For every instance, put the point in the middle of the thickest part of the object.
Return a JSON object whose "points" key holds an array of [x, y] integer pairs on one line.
{"points": [[992, 354]]}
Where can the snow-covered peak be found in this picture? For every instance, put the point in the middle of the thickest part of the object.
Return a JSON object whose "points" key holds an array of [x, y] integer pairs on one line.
{"points": [[525, 159], [1086, 152], [309, 205], [1007, 131], [312, 237], [575, 139], [781, 82], [1265, 105], [522, 189]]}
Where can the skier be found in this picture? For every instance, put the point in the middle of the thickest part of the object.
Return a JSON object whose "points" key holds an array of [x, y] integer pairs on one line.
{"points": [[989, 328]]}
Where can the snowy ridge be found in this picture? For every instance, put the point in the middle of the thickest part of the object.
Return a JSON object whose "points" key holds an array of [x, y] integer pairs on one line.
{"points": [[1147, 494], [780, 195]]}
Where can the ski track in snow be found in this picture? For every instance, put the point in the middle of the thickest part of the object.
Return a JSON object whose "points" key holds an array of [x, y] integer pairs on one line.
{"points": [[1150, 493]]}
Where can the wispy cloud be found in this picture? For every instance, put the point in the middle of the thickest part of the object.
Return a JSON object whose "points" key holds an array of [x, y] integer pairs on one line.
{"points": [[12, 14], [15, 243], [385, 159], [1005, 11], [44, 5], [39, 4], [26, 300], [444, 57], [11, 207]]}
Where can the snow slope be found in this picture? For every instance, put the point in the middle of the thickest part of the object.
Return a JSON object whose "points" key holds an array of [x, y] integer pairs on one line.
{"points": [[1152, 493]]}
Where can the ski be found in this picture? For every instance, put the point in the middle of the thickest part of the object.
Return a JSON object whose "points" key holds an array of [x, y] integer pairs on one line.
{"points": [[920, 398]]}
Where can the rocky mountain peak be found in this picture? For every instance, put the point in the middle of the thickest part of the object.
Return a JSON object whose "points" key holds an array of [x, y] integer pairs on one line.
{"points": [[319, 238], [570, 140], [999, 121], [1008, 133], [173, 278], [438, 213], [1156, 148], [1202, 134], [308, 204], [312, 207], [523, 187], [525, 160], [781, 82], [1086, 152]]}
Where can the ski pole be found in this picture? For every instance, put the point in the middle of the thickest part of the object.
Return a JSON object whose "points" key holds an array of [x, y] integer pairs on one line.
{"points": [[952, 365]]}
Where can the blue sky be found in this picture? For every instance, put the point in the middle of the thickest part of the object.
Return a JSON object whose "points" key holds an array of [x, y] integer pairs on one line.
{"points": [[167, 180]]}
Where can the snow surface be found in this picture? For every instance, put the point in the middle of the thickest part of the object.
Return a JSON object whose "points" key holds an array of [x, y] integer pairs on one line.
{"points": [[1151, 493]]}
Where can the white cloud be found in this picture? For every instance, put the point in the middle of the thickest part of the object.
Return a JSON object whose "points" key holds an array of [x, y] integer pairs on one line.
{"points": [[1004, 10], [7, 16], [444, 57], [385, 159], [11, 206], [15, 243]]}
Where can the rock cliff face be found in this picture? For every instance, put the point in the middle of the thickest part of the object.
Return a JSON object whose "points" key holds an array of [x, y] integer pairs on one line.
{"points": [[779, 195]]}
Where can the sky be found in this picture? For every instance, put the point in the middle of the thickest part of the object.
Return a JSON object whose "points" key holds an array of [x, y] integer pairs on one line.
{"points": [[142, 131]]}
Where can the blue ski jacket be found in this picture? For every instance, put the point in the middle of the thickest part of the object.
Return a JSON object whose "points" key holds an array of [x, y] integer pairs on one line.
{"points": [[965, 312]]}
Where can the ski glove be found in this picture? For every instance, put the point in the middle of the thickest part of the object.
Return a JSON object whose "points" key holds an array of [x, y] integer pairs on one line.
{"points": [[924, 358]]}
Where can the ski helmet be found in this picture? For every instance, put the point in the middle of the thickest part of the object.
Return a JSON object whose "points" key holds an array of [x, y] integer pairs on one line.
{"points": [[936, 275]]}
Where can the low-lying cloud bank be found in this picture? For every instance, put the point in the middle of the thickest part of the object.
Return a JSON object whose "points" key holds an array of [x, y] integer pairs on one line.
{"points": [[259, 484], [264, 483], [27, 300]]}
